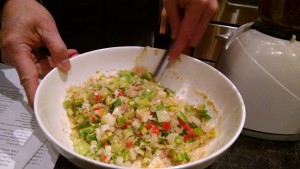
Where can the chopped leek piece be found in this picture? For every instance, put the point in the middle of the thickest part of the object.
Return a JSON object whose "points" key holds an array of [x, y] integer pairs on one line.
{"points": [[178, 139], [182, 116], [117, 103], [198, 131], [78, 103], [82, 147]]}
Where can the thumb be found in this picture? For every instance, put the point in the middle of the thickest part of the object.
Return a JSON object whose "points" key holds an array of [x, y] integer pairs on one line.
{"points": [[58, 49]]}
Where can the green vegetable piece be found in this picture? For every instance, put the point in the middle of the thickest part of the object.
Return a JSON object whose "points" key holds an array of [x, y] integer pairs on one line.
{"points": [[82, 133], [101, 75], [80, 118], [178, 139], [67, 104], [114, 157], [193, 125], [182, 116], [187, 157], [84, 125], [90, 137], [99, 87], [78, 103], [108, 89], [202, 111], [163, 141], [144, 130], [99, 145], [144, 102], [126, 131], [148, 154], [207, 117], [117, 103], [147, 76], [116, 147], [82, 147], [150, 95], [171, 152], [121, 120], [169, 91], [180, 157], [198, 131], [203, 106], [145, 162], [125, 154], [161, 106], [89, 130], [128, 75]]}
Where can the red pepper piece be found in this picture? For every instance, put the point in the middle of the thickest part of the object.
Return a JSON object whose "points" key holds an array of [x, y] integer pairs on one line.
{"points": [[93, 119], [149, 125], [97, 98], [166, 125], [187, 127], [186, 137], [155, 129], [129, 144]]}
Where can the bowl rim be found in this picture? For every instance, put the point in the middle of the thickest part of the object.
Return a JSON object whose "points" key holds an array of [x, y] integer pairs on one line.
{"points": [[209, 157]]}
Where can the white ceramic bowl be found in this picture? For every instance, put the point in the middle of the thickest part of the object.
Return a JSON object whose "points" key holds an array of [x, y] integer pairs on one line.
{"points": [[185, 76]]}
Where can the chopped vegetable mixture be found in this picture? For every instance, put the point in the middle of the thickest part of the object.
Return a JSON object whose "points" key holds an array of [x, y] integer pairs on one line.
{"points": [[130, 120]]}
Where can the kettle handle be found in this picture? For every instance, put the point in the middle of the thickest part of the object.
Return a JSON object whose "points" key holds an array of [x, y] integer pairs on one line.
{"points": [[232, 37], [237, 33]]}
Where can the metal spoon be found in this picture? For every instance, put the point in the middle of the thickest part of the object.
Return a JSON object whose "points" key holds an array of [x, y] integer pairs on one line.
{"points": [[163, 63]]}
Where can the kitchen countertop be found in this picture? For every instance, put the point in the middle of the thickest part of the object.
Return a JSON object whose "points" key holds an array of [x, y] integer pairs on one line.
{"points": [[245, 153]]}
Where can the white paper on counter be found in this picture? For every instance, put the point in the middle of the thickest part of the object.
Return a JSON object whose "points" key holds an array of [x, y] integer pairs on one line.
{"points": [[22, 142]]}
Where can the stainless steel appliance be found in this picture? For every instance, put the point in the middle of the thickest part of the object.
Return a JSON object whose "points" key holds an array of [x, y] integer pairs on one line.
{"points": [[230, 15]]}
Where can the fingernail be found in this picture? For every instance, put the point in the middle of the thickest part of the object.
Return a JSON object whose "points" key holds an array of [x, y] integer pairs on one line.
{"points": [[65, 65]]}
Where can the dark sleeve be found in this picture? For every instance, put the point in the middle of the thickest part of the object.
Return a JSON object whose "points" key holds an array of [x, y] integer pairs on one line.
{"points": [[128, 21], [1, 4], [92, 24]]}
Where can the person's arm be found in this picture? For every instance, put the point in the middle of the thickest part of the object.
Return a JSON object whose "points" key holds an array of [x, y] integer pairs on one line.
{"points": [[25, 27], [188, 21]]}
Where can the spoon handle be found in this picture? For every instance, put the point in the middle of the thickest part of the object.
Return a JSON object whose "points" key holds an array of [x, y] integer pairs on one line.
{"points": [[163, 63]]}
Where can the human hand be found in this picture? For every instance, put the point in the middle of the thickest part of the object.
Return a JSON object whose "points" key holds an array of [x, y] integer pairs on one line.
{"points": [[25, 27], [188, 21]]}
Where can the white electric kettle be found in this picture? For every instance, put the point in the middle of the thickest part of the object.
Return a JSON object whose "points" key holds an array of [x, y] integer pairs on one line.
{"points": [[262, 59]]}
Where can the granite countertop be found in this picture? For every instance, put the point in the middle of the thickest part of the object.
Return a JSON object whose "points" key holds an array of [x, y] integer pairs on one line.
{"points": [[245, 153]]}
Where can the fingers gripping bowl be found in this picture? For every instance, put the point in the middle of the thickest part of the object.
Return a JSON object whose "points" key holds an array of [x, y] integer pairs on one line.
{"points": [[191, 79]]}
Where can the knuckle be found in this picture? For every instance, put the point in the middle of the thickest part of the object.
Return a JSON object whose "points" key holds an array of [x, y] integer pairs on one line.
{"points": [[214, 5], [211, 4], [7, 41], [26, 80]]}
